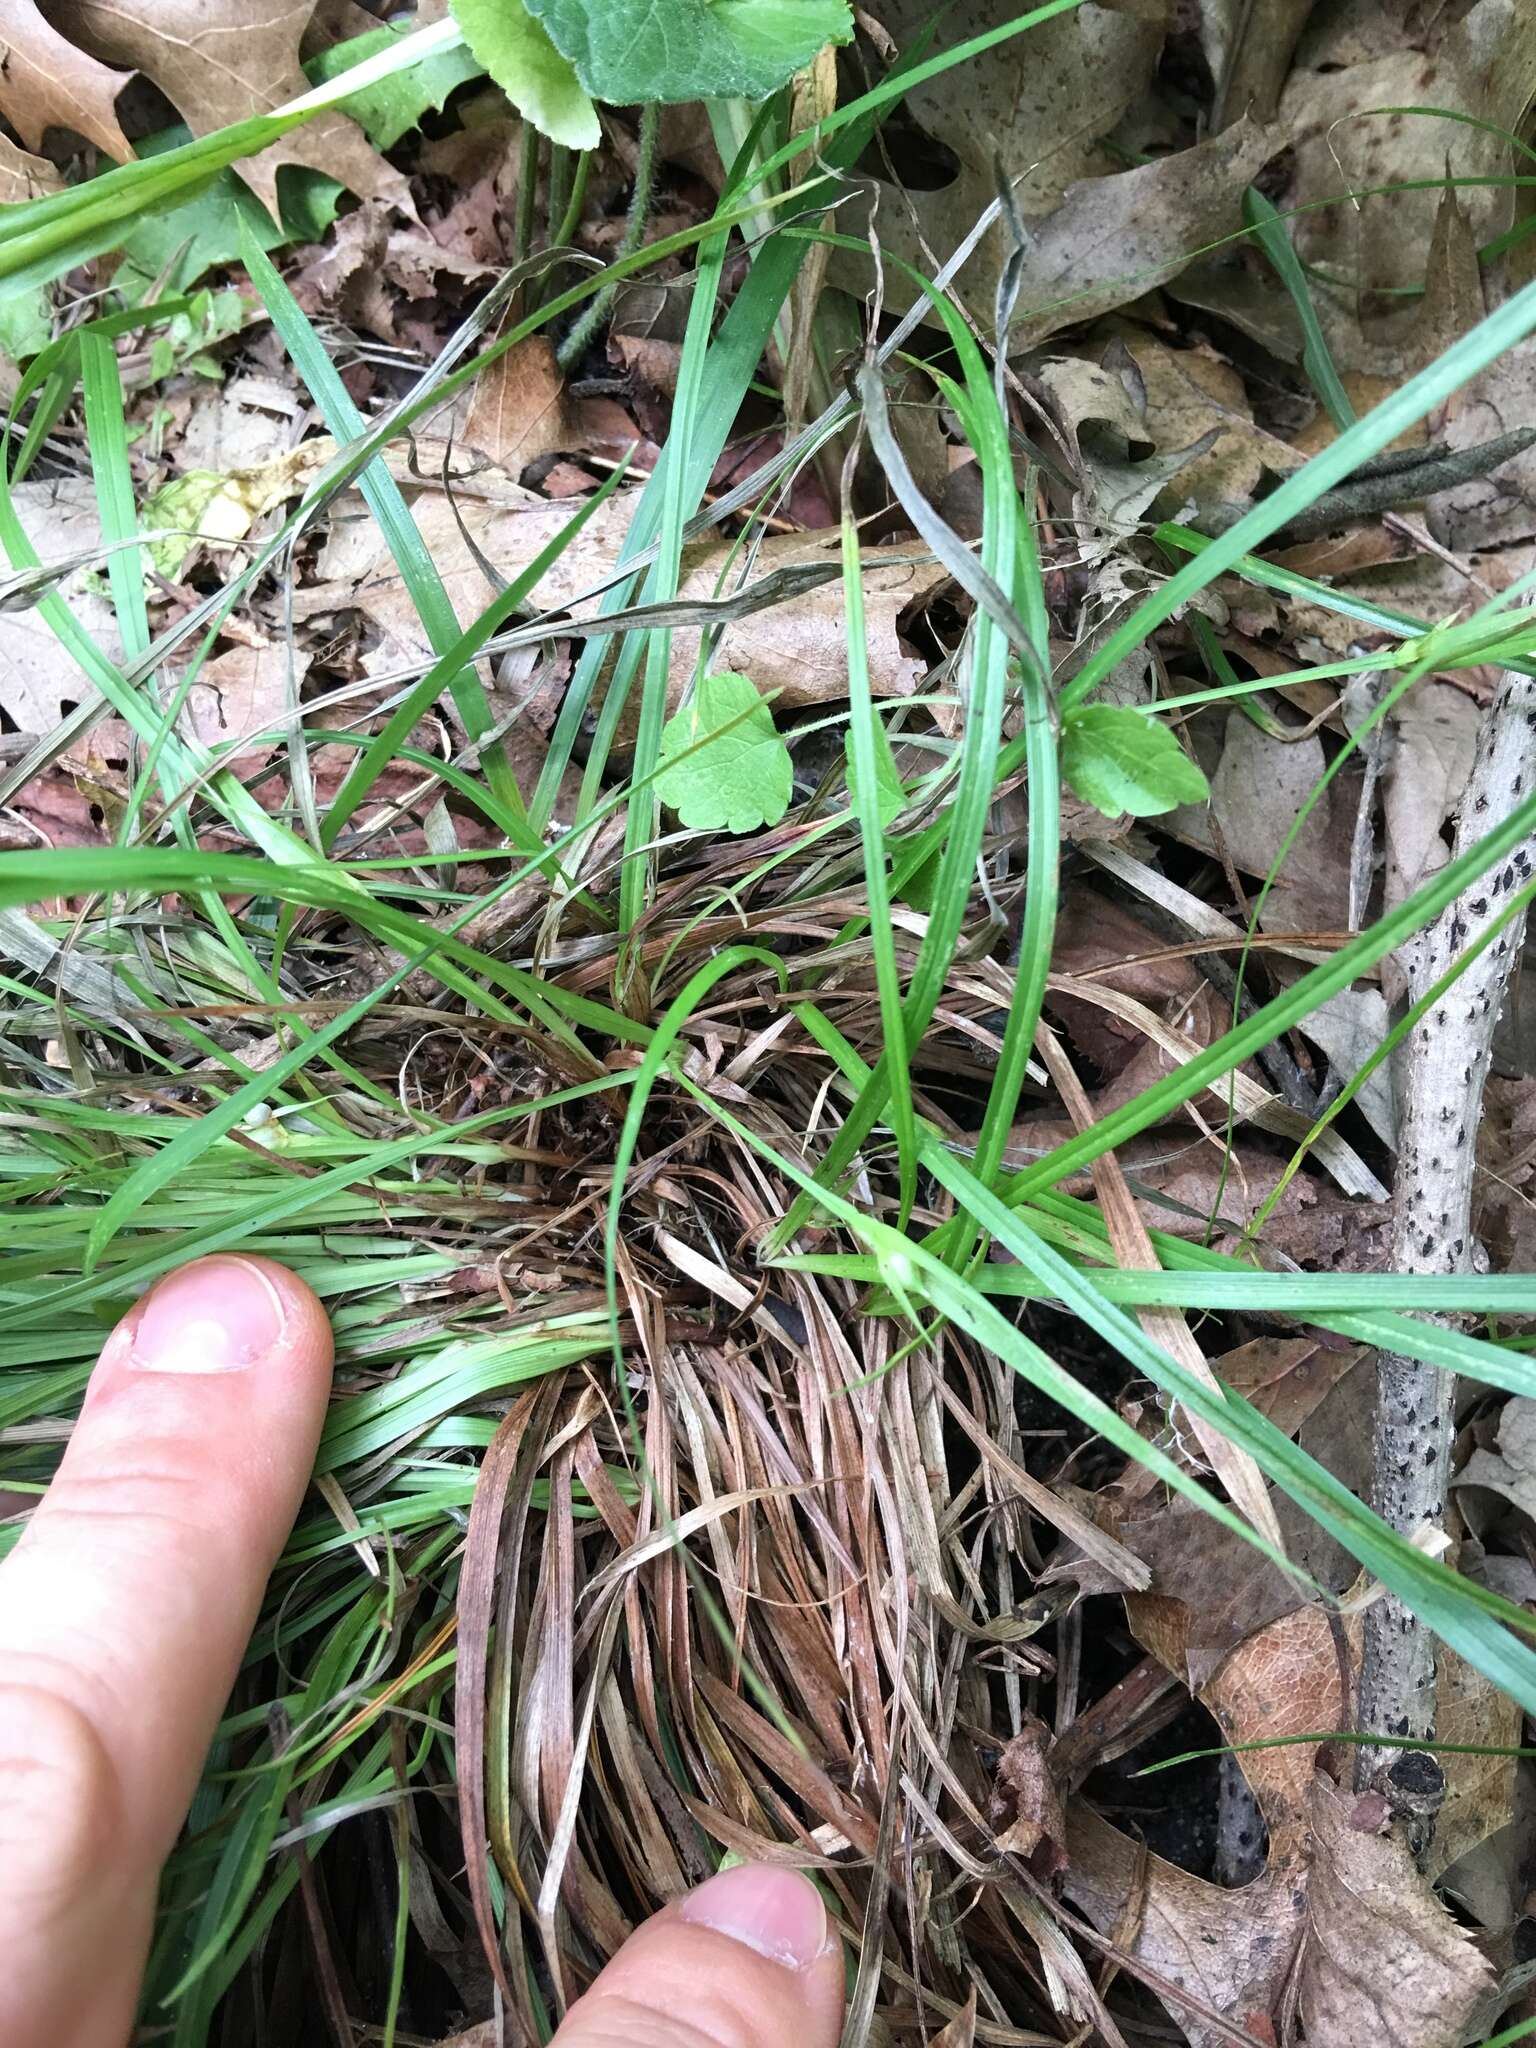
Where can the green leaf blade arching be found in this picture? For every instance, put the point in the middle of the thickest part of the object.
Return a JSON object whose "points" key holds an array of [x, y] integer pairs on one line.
{"points": [[724, 767], [668, 50], [538, 80], [1122, 760]]}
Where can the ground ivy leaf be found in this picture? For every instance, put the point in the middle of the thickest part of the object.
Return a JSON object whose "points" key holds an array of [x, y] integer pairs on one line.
{"points": [[628, 50], [1122, 760], [736, 781], [533, 74]]}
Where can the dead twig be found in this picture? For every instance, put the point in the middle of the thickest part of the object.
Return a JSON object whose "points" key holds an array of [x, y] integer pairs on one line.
{"points": [[1445, 1066]]}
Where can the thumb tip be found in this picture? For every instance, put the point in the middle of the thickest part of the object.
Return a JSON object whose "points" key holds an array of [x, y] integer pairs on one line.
{"points": [[750, 1959]]}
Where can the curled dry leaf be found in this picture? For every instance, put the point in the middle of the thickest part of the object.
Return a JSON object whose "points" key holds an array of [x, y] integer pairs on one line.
{"points": [[1511, 1469], [37, 680], [22, 175], [1113, 238], [1286, 1378], [1435, 730], [1026, 1802], [520, 410], [1259, 787]]}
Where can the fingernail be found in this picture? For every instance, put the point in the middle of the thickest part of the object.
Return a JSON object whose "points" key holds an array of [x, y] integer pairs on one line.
{"points": [[219, 1315], [766, 1907]]}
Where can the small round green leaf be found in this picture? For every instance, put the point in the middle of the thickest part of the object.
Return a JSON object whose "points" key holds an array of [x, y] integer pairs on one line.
{"points": [[1123, 760], [738, 779]]}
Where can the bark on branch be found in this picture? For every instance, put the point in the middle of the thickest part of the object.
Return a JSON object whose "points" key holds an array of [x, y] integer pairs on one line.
{"points": [[1444, 1070]]}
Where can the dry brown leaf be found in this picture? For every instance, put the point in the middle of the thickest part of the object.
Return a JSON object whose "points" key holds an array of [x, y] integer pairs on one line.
{"points": [[1383, 1960], [1349, 1028], [37, 678], [1026, 1802], [216, 65], [1479, 1790], [1040, 103], [1248, 46], [48, 82], [795, 648], [1226, 1593], [1232, 1951], [1192, 392], [520, 410], [22, 175], [1483, 65], [1496, 510], [246, 691], [1511, 1469], [1286, 1377], [1113, 238], [1259, 786]]}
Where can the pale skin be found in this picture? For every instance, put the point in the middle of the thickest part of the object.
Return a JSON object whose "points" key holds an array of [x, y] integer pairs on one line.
{"points": [[124, 1612]]}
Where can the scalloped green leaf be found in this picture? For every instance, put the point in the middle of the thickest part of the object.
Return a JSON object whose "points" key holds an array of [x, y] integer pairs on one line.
{"points": [[536, 78], [628, 50], [738, 779], [1122, 760]]}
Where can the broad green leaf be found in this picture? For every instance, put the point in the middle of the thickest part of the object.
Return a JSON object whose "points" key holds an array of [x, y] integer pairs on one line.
{"points": [[395, 105], [172, 247], [738, 779], [627, 50], [890, 797], [1122, 760], [533, 74]]}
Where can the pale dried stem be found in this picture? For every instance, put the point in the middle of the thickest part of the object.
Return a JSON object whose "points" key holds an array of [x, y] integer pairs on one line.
{"points": [[1444, 1069]]}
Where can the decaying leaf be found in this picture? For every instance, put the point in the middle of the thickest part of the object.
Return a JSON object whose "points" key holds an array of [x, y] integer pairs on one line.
{"points": [[1383, 1960], [795, 650], [1348, 111], [37, 680], [1511, 1469], [1026, 1802]]}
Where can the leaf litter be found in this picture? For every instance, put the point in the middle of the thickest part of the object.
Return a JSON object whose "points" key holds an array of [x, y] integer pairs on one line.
{"points": [[960, 1606]]}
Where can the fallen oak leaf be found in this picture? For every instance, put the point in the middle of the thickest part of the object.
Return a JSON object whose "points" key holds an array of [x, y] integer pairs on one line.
{"points": [[48, 83], [217, 66]]}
